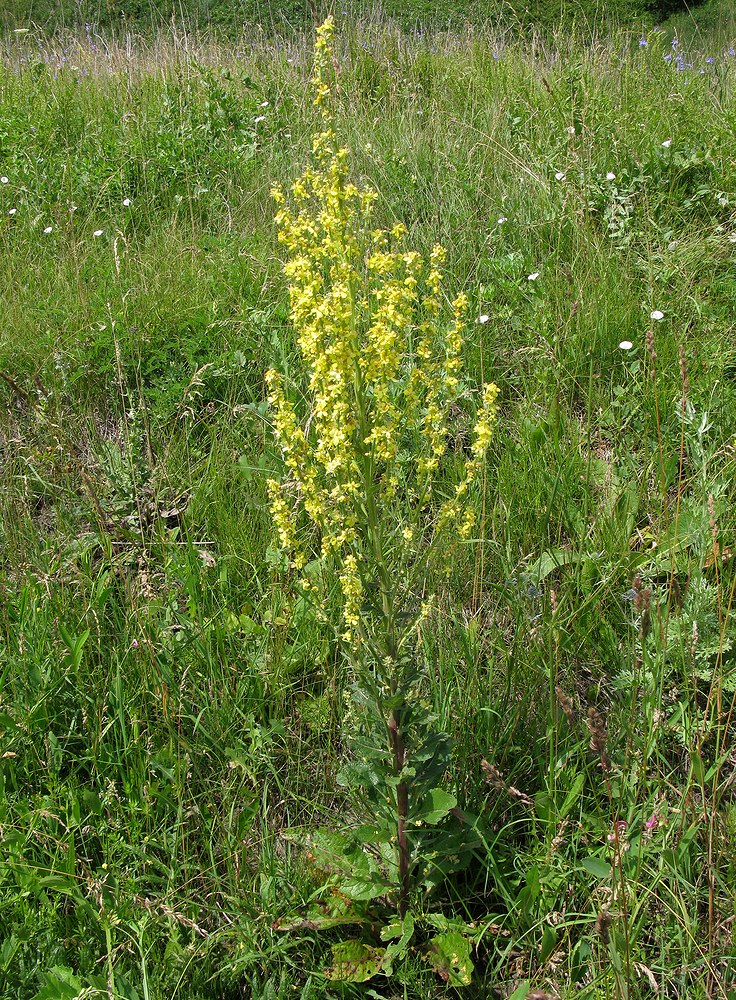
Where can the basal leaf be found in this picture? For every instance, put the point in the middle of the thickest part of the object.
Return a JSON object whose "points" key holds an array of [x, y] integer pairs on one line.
{"points": [[401, 929], [355, 962], [449, 956], [550, 561], [334, 911]]}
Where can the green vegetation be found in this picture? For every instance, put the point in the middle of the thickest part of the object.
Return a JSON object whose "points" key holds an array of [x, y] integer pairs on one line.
{"points": [[229, 16], [176, 721]]}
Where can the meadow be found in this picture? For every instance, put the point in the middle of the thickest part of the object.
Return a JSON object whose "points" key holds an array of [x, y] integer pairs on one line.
{"points": [[176, 720]]}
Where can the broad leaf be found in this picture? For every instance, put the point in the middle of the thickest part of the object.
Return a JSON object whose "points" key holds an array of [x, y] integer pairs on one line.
{"points": [[449, 956], [335, 911], [355, 962], [549, 943], [433, 807], [573, 795], [596, 867], [401, 929], [551, 560]]}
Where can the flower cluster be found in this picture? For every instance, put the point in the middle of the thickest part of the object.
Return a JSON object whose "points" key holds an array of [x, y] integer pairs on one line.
{"points": [[383, 365]]}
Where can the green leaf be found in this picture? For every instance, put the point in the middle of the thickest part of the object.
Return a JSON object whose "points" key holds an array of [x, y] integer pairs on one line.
{"points": [[573, 795], [698, 769], [549, 943], [7, 951], [449, 956], [373, 834], [434, 806], [61, 984], [335, 911], [355, 962], [340, 854], [363, 889], [404, 930], [521, 992], [392, 930], [441, 922], [549, 561], [596, 867]]}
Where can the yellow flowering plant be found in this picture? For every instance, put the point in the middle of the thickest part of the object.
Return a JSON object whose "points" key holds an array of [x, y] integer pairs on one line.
{"points": [[365, 497]]}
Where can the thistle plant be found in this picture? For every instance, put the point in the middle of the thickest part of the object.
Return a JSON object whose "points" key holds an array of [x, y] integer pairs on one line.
{"points": [[373, 493]]}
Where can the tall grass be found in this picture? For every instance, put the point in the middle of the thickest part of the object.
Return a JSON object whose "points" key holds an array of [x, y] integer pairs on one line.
{"points": [[227, 17], [170, 712]]}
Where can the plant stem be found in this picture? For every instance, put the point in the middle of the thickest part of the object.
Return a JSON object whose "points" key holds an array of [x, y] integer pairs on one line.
{"points": [[402, 813], [389, 665]]}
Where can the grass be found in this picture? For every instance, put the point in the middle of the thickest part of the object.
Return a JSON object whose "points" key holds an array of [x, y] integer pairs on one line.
{"points": [[169, 710], [226, 17]]}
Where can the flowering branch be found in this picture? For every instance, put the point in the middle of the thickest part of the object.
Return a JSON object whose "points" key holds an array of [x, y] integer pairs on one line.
{"points": [[382, 366]]}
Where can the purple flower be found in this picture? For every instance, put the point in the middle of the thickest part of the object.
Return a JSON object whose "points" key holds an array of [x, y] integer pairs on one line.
{"points": [[709, 60], [668, 58], [732, 52], [652, 822], [643, 43]]}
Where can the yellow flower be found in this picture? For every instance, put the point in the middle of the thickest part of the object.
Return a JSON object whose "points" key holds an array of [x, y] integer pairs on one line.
{"points": [[486, 420], [352, 592], [366, 437]]}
